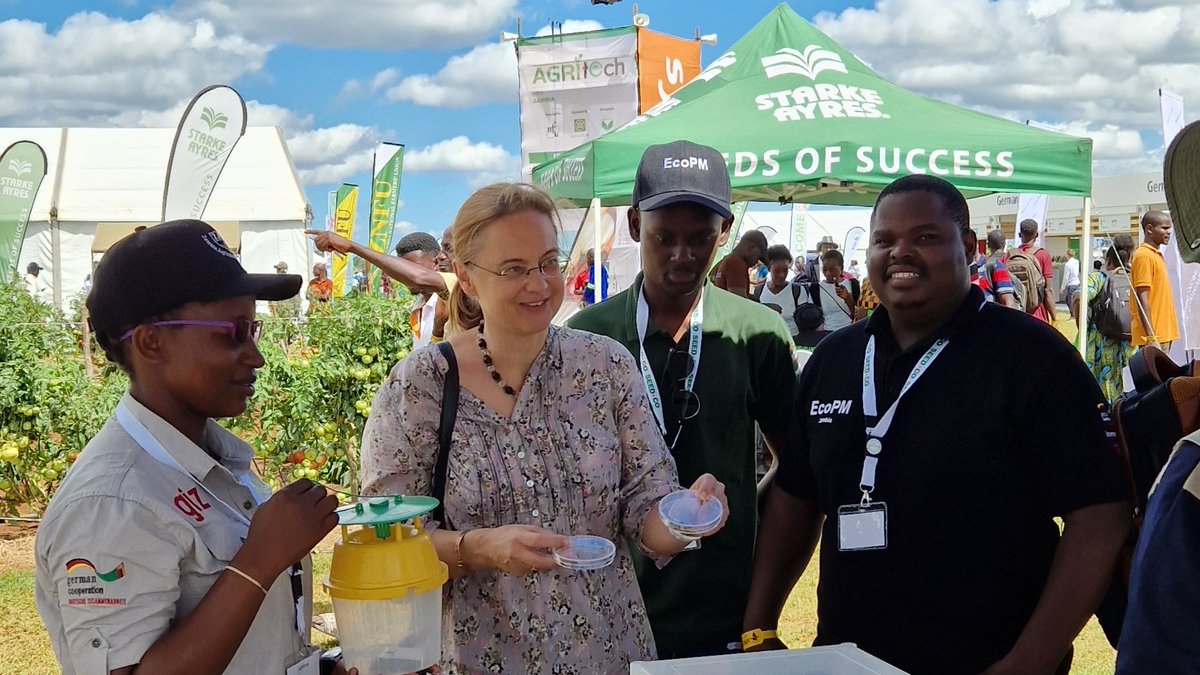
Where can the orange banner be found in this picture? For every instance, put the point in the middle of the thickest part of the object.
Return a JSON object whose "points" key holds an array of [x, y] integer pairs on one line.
{"points": [[665, 64]]}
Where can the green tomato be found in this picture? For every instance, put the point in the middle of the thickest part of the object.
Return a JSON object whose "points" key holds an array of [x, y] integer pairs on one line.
{"points": [[298, 472], [49, 474], [361, 351], [367, 359], [23, 442], [330, 427], [373, 351], [9, 453], [27, 426], [311, 474]]}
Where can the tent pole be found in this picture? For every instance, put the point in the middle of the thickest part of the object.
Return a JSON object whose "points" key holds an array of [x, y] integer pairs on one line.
{"points": [[598, 243], [1085, 264]]}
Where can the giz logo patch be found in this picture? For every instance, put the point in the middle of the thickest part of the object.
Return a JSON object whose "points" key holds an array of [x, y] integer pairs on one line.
{"points": [[191, 504]]}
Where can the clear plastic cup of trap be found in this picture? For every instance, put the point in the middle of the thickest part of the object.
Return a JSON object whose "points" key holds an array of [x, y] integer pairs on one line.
{"points": [[684, 514], [586, 552]]}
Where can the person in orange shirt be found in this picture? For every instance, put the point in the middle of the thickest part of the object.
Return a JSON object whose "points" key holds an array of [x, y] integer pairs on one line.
{"points": [[1154, 322], [320, 287]]}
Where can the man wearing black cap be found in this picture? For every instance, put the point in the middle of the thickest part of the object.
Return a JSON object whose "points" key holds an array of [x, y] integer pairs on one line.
{"points": [[733, 272], [161, 547], [713, 365], [35, 284]]}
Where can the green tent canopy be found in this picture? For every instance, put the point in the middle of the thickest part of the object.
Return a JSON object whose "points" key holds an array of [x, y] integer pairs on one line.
{"points": [[801, 119]]}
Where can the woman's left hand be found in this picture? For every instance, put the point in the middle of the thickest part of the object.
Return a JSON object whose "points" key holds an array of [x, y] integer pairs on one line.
{"points": [[708, 487]]}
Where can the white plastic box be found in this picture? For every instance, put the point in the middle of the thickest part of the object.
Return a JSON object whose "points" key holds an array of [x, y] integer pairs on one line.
{"points": [[844, 659], [390, 637]]}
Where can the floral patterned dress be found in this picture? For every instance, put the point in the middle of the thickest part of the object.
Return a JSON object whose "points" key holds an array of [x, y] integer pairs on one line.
{"points": [[1105, 356], [581, 454]]}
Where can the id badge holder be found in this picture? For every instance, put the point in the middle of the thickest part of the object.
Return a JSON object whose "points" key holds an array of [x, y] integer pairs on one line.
{"points": [[309, 665], [862, 527]]}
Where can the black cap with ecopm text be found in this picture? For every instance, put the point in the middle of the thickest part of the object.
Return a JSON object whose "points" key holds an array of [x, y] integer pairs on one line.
{"points": [[160, 268], [682, 171]]}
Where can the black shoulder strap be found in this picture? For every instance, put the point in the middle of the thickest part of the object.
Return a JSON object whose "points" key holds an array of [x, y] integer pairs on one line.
{"points": [[814, 293], [796, 288], [445, 429]]}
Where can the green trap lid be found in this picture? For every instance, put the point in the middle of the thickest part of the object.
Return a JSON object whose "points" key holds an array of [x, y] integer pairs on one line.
{"points": [[385, 510]]}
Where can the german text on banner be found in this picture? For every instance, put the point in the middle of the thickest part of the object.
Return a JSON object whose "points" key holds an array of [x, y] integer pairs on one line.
{"points": [[22, 168], [385, 198], [664, 64], [211, 126], [343, 224]]}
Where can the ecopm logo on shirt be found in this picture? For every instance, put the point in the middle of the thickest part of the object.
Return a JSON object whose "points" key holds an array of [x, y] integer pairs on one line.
{"points": [[824, 410]]}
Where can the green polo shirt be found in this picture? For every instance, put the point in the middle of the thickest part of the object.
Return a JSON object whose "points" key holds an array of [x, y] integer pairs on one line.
{"points": [[745, 376]]}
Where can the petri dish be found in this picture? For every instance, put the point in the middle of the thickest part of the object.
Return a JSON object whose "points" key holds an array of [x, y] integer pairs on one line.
{"points": [[684, 513], [586, 552]]}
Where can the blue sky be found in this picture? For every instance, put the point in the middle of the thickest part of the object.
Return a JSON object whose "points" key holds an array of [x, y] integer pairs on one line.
{"points": [[338, 76]]}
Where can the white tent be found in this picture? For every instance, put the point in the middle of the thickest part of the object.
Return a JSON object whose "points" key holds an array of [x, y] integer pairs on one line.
{"points": [[102, 183]]}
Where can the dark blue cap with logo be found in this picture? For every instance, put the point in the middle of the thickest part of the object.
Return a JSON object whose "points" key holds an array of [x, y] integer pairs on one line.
{"points": [[682, 171], [160, 268]]}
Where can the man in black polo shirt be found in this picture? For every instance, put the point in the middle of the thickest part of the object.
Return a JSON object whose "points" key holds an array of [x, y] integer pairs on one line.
{"points": [[718, 364], [940, 550]]}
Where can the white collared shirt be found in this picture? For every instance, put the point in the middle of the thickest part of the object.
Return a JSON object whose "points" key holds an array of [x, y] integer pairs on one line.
{"points": [[129, 546]]}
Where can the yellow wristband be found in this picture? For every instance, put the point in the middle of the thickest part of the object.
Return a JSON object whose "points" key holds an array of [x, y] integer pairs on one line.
{"points": [[754, 638]]}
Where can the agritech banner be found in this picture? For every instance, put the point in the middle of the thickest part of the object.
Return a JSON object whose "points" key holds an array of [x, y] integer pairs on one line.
{"points": [[22, 168], [343, 224], [664, 64], [574, 87], [211, 126], [385, 198]]}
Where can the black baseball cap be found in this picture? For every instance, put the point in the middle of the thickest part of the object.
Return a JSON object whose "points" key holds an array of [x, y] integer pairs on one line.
{"points": [[159, 268], [682, 171]]}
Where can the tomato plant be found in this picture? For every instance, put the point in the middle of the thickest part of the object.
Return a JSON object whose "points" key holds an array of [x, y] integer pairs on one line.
{"points": [[306, 418]]}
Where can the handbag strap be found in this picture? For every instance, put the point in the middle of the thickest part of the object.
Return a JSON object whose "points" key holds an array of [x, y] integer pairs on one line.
{"points": [[445, 429]]}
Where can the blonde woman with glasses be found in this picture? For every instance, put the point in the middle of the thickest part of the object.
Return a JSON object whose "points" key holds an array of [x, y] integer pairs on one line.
{"points": [[552, 437]]}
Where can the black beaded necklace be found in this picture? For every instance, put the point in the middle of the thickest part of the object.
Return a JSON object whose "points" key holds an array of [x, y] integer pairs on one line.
{"points": [[487, 362]]}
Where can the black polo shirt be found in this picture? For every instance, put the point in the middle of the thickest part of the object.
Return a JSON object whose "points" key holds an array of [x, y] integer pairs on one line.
{"points": [[1005, 430]]}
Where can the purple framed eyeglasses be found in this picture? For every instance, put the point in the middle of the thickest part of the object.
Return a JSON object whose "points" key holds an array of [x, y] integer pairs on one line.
{"points": [[239, 331]]}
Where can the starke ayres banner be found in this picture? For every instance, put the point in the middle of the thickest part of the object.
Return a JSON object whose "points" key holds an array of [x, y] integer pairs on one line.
{"points": [[22, 169], [211, 126]]}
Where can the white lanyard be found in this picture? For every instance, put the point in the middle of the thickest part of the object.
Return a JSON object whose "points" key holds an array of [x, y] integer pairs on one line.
{"points": [[142, 436], [134, 427], [695, 333], [876, 433]]}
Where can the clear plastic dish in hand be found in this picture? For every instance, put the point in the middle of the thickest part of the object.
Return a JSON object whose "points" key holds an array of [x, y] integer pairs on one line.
{"points": [[683, 513], [586, 552]]}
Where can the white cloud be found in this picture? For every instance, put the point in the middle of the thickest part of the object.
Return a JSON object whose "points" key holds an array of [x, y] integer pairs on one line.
{"points": [[486, 74], [333, 154], [1055, 60], [379, 24], [95, 69], [460, 154], [573, 26]]}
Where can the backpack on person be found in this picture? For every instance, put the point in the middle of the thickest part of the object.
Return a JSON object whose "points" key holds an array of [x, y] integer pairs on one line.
{"points": [[1026, 271], [1149, 421], [1110, 308]]}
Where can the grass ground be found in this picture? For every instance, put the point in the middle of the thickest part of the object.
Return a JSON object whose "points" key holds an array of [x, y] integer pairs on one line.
{"points": [[27, 649]]}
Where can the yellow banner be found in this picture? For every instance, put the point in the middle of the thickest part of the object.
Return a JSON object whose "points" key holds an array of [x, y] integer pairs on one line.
{"points": [[343, 224], [665, 64]]}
